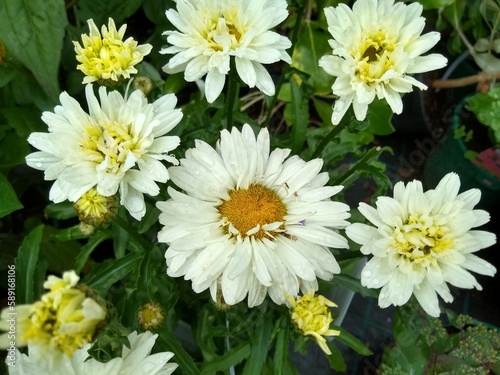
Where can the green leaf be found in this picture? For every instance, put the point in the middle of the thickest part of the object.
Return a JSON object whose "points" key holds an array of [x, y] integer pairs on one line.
{"points": [[68, 234], [229, 359], [7, 73], [33, 31], [185, 361], [311, 46], [336, 360], [379, 115], [24, 120], [297, 116], [26, 262], [90, 246], [260, 347], [100, 11], [120, 240], [106, 274], [13, 150], [324, 110], [353, 284], [8, 198], [351, 341], [60, 211], [281, 355], [155, 10]]}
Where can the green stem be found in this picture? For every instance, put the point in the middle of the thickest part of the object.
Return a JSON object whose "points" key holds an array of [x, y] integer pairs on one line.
{"points": [[233, 89], [135, 238], [284, 72], [358, 165], [329, 137]]}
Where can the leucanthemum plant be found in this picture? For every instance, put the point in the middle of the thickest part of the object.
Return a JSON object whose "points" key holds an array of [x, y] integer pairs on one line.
{"points": [[207, 198]]}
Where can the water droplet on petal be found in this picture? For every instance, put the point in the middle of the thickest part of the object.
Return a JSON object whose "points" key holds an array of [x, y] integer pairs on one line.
{"points": [[375, 281], [38, 165], [367, 273]]}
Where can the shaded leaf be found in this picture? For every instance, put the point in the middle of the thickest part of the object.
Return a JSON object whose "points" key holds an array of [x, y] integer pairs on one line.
{"points": [[106, 274], [8, 198], [100, 11], [229, 359], [24, 120], [89, 247], [33, 31], [351, 341], [26, 262]]}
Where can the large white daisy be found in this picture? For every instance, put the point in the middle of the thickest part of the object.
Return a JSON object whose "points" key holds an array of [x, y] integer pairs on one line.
{"points": [[250, 222], [135, 360], [117, 146], [209, 32], [376, 47], [420, 241]]}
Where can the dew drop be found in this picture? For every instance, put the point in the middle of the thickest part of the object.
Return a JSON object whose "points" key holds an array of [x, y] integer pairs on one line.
{"points": [[375, 281], [367, 273], [38, 165]]}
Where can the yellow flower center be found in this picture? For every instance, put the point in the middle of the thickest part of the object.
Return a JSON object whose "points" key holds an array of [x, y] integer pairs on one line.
{"points": [[311, 316], [420, 239], [113, 143], [58, 322], [253, 208], [95, 209], [374, 56], [103, 57], [222, 29], [151, 316]]}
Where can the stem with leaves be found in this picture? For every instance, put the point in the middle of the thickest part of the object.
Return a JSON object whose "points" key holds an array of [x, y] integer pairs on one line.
{"points": [[233, 89]]}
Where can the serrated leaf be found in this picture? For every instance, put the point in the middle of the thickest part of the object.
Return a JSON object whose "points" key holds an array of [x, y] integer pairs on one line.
{"points": [[100, 10], [33, 31], [26, 262], [8, 198], [311, 46]]}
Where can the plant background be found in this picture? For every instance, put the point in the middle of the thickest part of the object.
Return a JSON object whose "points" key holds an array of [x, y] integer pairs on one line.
{"points": [[40, 237]]}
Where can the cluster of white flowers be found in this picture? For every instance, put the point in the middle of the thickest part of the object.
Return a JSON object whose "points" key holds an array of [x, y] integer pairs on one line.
{"points": [[246, 221]]}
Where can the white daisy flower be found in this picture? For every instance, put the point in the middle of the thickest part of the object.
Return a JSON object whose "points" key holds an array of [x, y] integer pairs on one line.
{"points": [[376, 47], [117, 146], [211, 31], [420, 241], [134, 361], [250, 222]]}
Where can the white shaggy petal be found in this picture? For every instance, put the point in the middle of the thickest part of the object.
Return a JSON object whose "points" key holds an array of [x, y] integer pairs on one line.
{"points": [[231, 247], [239, 30], [374, 48], [421, 242]]}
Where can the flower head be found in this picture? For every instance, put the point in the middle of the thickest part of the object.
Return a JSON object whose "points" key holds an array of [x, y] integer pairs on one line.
{"points": [[249, 222], [117, 147], [107, 58], [135, 360], [62, 321], [420, 241], [312, 317], [151, 316], [376, 47], [210, 32], [96, 209]]}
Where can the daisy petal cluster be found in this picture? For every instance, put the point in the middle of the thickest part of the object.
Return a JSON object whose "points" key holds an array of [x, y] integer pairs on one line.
{"points": [[312, 317], [135, 360], [211, 32], [377, 46], [118, 146], [423, 241], [108, 58], [250, 223], [62, 321]]}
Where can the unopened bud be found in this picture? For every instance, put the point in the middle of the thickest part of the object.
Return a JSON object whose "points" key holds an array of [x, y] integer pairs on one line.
{"points": [[96, 209], [151, 316]]}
